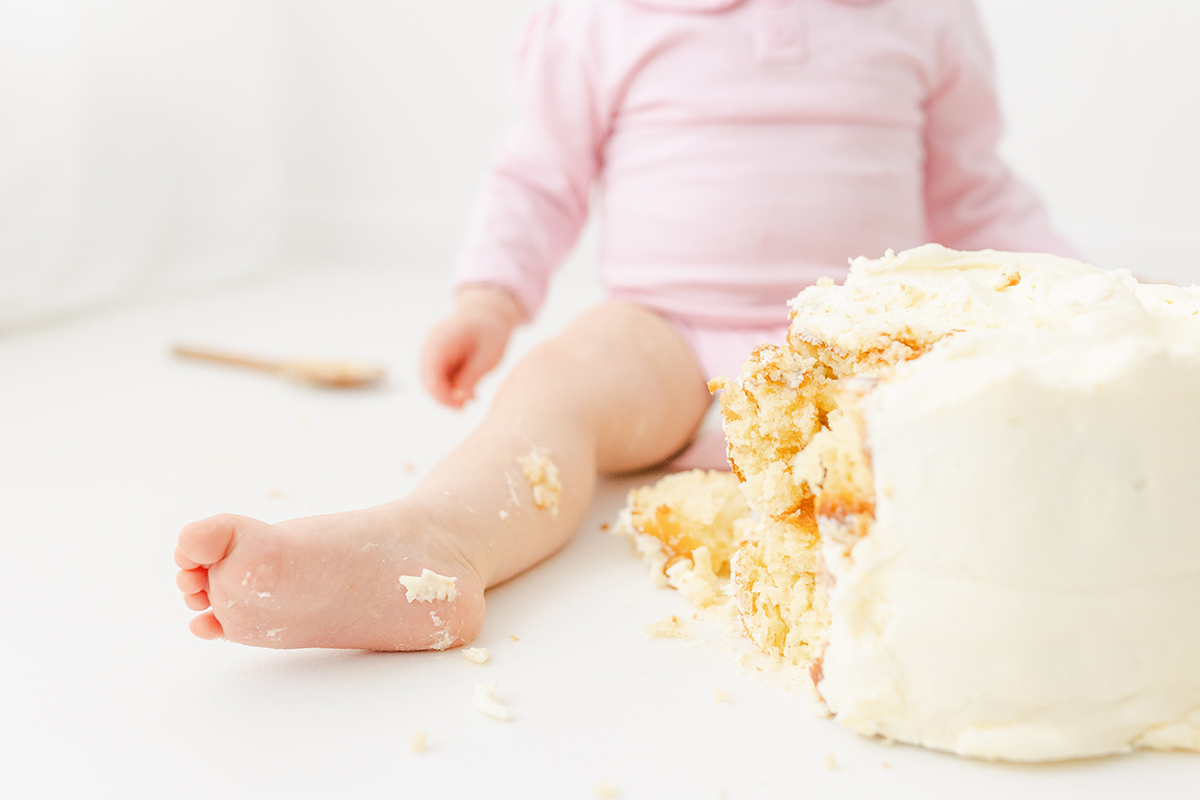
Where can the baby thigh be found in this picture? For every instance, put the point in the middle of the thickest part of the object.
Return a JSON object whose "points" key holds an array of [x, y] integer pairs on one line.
{"points": [[620, 380]]}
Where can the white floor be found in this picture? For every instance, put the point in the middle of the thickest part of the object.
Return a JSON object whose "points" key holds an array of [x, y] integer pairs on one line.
{"points": [[107, 446]]}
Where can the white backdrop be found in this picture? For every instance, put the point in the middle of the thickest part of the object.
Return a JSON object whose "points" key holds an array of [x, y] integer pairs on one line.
{"points": [[151, 147]]}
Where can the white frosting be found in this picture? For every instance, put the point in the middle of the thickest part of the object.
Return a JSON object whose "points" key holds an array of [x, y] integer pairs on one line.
{"points": [[1029, 586]]}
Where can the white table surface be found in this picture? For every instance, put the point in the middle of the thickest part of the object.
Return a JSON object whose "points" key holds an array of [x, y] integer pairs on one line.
{"points": [[107, 446]]}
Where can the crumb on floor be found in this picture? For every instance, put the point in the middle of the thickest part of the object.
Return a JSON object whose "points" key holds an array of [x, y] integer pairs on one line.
{"points": [[477, 655], [486, 702], [665, 628]]}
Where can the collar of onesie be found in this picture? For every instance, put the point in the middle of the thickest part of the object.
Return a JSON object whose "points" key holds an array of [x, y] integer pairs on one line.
{"points": [[714, 5]]}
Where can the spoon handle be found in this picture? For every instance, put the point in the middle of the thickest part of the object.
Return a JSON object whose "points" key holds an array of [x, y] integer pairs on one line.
{"points": [[203, 354]]}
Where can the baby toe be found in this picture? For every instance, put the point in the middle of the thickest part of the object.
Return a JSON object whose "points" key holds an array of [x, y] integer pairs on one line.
{"points": [[207, 541], [197, 601], [191, 581], [182, 561], [206, 626]]}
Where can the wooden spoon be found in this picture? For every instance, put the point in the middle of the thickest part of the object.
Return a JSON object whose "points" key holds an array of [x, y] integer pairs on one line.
{"points": [[317, 372]]}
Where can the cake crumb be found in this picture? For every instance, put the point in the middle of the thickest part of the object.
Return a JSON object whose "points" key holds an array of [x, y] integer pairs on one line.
{"points": [[445, 641], [429, 586], [514, 637], [721, 696], [417, 742], [885, 765], [1008, 275], [604, 791], [486, 703], [543, 479], [477, 655], [665, 628], [830, 763], [686, 527], [603, 526]]}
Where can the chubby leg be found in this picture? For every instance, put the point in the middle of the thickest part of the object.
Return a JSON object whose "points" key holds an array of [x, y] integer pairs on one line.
{"points": [[618, 390]]}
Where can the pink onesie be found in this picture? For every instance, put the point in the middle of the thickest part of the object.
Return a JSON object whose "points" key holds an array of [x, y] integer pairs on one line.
{"points": [[741, 149]]}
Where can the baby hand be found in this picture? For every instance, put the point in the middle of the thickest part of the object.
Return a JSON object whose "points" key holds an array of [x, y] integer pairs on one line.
{"points": [[467, 345]]}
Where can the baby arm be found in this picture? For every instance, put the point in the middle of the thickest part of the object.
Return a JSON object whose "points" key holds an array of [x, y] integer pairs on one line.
{"points": [[973, 201], [461, 349], [535, 199]]}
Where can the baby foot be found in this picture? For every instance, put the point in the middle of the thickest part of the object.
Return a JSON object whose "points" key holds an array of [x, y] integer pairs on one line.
{"points": [[329, 581]]}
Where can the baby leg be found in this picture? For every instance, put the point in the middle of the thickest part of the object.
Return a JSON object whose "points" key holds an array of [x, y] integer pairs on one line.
{"points": [[618, 390]]}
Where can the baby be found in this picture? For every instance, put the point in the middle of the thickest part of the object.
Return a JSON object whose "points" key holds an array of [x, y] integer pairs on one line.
{"points": [[742, 149]]}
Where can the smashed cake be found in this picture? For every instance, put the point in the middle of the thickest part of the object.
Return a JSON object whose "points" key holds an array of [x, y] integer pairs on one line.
{"points": [[976, 526], [687, 527]]}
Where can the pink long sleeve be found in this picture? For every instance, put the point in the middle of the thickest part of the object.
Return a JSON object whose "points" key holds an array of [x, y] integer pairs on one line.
{"points": [[747, 149], [534, 201], [972, 200]]}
